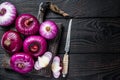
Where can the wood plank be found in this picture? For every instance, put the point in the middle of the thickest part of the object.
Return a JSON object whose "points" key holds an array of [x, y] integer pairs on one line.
{"points": [[82, 66], [88, 36], [101, 36], [76, 8], [95, 45]]}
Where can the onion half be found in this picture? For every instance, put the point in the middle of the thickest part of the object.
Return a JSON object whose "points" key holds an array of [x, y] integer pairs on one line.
{"points": [[27, 24], [7, 13], [35, 45], [21, 62], [11, 41], [48, 29], [43, 61]]}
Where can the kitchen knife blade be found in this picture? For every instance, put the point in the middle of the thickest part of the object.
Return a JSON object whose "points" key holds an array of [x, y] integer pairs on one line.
{"points": [[67, 47]]}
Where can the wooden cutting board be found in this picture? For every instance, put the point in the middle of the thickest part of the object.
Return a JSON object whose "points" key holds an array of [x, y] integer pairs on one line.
{"points": [[52, 47]]}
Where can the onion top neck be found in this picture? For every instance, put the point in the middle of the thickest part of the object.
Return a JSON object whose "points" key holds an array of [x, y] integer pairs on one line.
{"points": [[20, 65], [34, 47], [28, 22], [48, 28], [7, 42]]}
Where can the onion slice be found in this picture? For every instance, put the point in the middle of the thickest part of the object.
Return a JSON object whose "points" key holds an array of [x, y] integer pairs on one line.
{"points": [[43, 61], [56, 67]]}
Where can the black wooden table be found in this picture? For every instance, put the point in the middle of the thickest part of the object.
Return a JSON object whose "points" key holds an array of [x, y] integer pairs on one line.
{"points": [[95, 38]]}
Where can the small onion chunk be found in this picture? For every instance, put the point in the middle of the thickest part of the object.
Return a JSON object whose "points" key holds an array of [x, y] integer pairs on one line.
{"points": [[7, 13]]}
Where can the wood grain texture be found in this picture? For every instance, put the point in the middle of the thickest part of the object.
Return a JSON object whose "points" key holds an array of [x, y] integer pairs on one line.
{"points": [[82, 66], [76, 8], [97, 35], [90, 8], [95, 38]]}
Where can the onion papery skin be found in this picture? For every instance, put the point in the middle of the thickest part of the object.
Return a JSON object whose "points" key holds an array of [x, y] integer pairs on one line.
{"points": [[22, 62], [27, 24], [48, 29], [11, 41], [9, 15], [39, 41]]}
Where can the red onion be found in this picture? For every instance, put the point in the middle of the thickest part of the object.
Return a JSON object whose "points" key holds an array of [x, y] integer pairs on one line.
{"points": [[7, 13], [35, 45], [27, 24], [11, 41], [48, 29], [21, 62]]}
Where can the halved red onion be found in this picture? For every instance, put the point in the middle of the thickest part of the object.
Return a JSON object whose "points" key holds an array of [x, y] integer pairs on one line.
{"points": [[35, 45], [11, 41], [7, 13], [43, 61], [22, 62], [48, 29], [27, 24]]}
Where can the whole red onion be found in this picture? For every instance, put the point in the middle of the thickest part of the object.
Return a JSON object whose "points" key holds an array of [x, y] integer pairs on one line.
{"points": [[11, 41], [22, 62], [7, 13], [35, 45], [48, 29], [27, 24]]}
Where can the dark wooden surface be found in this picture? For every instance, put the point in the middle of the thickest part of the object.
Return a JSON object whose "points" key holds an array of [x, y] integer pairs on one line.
{"points": [[53, 46], [95, 38]]}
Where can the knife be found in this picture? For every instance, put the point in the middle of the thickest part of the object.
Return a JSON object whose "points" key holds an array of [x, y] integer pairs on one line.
{"points": [[67, 47]]}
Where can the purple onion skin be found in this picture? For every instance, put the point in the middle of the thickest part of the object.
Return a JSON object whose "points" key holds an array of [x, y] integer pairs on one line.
{"points": [[39, 41], [11, 41], [49, 33], [27, 24], [22, 62], [8, 15]]}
